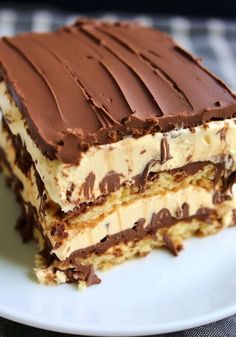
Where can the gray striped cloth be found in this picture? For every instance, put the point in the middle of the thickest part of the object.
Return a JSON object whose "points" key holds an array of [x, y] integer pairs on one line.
{"points": [[212, 39]]}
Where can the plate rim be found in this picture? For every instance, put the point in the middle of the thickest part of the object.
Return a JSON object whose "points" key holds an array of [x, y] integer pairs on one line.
{"points": [[145, 330]]}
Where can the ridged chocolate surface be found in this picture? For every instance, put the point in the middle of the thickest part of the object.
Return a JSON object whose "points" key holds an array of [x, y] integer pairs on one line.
{"points": [[94, 83]]}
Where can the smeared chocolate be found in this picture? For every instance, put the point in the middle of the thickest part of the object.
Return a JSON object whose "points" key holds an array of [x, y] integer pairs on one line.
{"points": [[183, 212], [83, 207], [22, 157], [173, 248], [161, 219], [146, 171], [141, 179], [222, 132], [25, 224], [88, 185], [110, 183], [43, 204], [99, 82], [217, 197], [230, 181], [219, 172], [48, 258], [39, 182], [82, 273], [165, 151], [220, 197], [204, 214], [59, 231], [189, 157], [70, 191], [191, 168], [12, 182]]}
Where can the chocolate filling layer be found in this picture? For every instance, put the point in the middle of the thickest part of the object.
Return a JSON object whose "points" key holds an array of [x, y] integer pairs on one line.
{"points": [[162, 219]]}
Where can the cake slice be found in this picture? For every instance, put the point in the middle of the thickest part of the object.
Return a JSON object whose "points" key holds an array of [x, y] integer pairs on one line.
{"points": [[116, 141]]}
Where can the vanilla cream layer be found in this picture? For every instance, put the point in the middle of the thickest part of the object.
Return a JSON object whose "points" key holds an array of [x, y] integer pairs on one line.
{"points": [[123, 217], [127, 157]]}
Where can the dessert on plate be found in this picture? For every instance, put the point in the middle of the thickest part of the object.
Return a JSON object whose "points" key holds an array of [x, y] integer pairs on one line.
{"points": [[115, 141]]}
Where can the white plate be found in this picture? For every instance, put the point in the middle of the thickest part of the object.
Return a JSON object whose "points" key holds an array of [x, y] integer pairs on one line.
{"points": [[155, 294]]}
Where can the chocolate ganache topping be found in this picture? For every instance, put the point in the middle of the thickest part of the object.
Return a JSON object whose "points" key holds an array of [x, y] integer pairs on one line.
{"points": [[97, 82]]}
